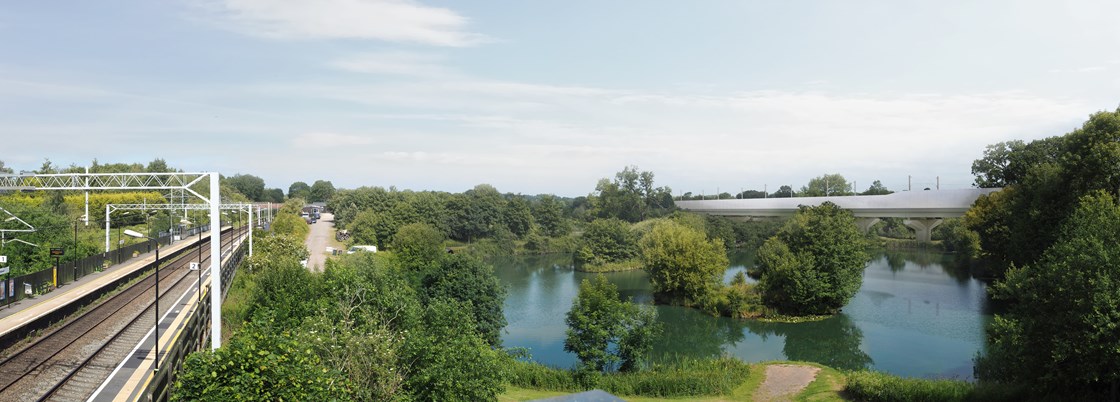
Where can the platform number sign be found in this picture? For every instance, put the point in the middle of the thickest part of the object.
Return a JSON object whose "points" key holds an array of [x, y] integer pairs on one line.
{"points": [[57, 251], [194, 266], [3, 259]]}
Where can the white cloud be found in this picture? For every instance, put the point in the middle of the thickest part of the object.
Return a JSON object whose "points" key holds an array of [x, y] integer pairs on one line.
{"points": [[330, 140], [1078, 70], [387, 20], [394, 63]]}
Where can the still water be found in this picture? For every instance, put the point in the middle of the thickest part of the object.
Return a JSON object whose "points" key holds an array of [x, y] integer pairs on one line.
{"points": [[916, 316]]}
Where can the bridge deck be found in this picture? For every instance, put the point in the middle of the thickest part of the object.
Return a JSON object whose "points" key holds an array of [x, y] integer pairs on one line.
{"points": [[906, 204]]}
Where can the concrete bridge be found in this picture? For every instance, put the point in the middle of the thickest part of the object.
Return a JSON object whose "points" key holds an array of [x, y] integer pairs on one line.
{"points": [[922, 210]]}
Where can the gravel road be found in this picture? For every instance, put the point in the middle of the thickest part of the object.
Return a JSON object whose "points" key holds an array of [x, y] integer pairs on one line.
{"points": [[321, 233]]}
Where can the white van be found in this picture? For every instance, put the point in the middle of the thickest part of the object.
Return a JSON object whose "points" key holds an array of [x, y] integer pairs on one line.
{"points": [[355, 249]]}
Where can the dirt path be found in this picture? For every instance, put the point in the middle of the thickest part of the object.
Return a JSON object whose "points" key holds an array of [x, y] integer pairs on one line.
{"points": [[784, 381], [322, 232]]}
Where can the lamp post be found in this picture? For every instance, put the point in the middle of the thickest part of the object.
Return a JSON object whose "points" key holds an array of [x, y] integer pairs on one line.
{"points": [[135, 234], [199, 267]]}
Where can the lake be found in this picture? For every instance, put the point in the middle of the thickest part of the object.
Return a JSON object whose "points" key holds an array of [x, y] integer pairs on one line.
{"points": [[916, 315]]}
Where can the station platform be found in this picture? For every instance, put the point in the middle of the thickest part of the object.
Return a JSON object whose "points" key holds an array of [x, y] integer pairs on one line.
{"points": [[20, 313], [132, 376]]}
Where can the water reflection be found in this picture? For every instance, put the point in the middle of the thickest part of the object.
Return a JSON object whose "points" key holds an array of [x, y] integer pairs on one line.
{"points": [[917, 314], [834, 342]]}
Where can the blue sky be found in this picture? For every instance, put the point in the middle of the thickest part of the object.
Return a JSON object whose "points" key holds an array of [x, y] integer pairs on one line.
{"points": [[549, 96]]}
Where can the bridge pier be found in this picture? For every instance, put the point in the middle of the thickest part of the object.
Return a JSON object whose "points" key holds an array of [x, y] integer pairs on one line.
{"points": [[923, 227], [865, 224]]}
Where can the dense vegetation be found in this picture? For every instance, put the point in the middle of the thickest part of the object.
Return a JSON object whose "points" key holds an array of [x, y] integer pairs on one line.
{"points": [[370, 327], [1053, 228], [814, 265]]}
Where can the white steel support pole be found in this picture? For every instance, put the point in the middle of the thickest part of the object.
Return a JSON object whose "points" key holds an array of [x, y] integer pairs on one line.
{"points": [[215, 264], [106, 228], [86, 219], [251, 230]]}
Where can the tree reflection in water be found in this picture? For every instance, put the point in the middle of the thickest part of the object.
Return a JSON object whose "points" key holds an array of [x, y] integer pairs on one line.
{"points": [[693, 334], [834, 342]]}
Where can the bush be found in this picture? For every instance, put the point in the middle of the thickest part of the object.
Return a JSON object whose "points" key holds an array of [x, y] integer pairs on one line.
{"points": [[873, 386], [684, 378]]}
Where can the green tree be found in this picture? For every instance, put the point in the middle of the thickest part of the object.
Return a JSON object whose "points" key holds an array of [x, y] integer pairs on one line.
{"points": [[815, 263], [517, 216], [290, 224], [274, 195], [826, 185], [158, 165], [1042, 182], [684, 266], [630, 197], [262, 363], [321, 191], [603, 330], [449, 361], [5, 169], [548, 212], [877, 188], [469, 280], [369, 227], [247, 184], [607, 241], [418, 244], [1061, 332], [783, 192], [299, 189]]}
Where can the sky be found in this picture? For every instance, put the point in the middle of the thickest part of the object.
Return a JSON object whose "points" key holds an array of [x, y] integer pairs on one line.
{"points": [[550, 96]]}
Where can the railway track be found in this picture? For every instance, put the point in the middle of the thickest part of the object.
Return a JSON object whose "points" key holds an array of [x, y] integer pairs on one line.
{"points": [[70, 361]]}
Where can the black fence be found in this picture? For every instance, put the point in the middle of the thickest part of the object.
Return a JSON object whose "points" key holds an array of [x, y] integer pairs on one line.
{"points": [[40, 282]]}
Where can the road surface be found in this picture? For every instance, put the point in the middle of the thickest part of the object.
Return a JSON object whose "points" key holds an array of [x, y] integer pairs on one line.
{"points": [[322, 232]]}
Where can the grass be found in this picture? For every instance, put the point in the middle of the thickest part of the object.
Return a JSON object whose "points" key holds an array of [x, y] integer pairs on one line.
{"points": [[826, 387]]}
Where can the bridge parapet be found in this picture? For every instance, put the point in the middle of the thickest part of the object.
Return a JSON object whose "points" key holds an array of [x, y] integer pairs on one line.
{"points": [[925, 207]]}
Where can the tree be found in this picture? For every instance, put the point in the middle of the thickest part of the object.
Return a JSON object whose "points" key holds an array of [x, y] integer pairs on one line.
{"points": [[299, 189], [449, 362], [5, 169], [783, 191], [274, 195], [826, 185], [630, 197], [472, 282], [607, 241], [261, 363], [247, 184], [814, 265], [418, 244], [877, 188], [1043, 181], [321, 191], [548, 212], [684, 266], [368, 228], [517, 216], [1061, 332], [158, 165], [604, 330], [991, 170]]}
